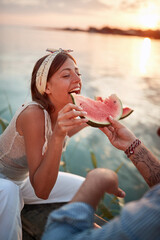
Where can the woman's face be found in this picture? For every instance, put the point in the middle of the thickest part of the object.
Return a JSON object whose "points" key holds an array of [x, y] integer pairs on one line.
{"points": [[66, 80]]}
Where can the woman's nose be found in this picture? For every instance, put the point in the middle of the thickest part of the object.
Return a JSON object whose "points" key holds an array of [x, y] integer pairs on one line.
{"points": [[76, 78]]}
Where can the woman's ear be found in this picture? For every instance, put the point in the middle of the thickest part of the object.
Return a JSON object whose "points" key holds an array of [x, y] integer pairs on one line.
{"points": [[47, 90]]}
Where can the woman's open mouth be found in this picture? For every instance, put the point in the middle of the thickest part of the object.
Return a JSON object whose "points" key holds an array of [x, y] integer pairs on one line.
{"points": [[76, 90]]}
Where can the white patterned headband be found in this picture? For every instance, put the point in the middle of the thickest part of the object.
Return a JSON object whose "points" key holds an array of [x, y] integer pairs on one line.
{"points": [[42, 73]]}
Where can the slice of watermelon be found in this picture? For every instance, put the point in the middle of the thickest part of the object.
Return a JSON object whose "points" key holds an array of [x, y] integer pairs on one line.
{"points": [[99, 110], [126, 112]]}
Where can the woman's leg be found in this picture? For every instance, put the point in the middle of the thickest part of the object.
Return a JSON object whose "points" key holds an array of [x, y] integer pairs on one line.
{"points": [[11, 204], [66, 186]]}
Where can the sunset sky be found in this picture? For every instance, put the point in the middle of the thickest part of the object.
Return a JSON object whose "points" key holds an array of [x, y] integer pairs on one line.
{"points": [[82, 13]]}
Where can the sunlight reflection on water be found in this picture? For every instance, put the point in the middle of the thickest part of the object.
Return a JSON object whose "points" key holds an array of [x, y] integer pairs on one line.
{"points": [[145, 56]]}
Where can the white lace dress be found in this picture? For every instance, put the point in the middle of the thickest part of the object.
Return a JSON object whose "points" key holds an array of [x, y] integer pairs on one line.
{"points": [[15, 187], [13, 162]]}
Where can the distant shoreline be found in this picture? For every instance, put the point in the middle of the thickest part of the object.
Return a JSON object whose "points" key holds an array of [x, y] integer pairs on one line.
{"points": [[153, 34]]}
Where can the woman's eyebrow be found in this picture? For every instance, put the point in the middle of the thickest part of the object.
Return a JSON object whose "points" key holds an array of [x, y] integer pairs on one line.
{"points": [[65, 69], [69, 69]]}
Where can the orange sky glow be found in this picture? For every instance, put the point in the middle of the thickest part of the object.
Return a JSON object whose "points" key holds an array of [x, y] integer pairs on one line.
{"points": [[123, 14]]}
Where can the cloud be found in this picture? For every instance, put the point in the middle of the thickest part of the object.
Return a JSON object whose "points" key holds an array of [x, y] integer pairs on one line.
{"points": [[61, 6], [134, 5], [18, 3], [73, 12], [72, 6]]}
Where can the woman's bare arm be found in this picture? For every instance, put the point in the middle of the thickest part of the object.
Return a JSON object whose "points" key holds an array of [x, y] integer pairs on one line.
{"points": [[43, 169]]}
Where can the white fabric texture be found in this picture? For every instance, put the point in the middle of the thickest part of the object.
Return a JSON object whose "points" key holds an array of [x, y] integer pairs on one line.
{"points": [[13, 162], [10, 208], [42, 73], [13, 198]]}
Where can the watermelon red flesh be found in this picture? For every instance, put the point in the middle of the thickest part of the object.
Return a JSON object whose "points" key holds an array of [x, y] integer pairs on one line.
{"points": [[98, 111], [126, 112]]}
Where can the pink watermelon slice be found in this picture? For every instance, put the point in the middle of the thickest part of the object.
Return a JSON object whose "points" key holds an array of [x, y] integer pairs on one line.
{"points": [[126, 112], [99, 110]]}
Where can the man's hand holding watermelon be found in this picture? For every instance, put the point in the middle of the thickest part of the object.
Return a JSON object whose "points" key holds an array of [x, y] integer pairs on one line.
{"points": [[122, 138], [119, 135]]}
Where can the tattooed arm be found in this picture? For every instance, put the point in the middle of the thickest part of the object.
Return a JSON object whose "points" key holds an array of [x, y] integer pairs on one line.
{"points": [[146, 163]]}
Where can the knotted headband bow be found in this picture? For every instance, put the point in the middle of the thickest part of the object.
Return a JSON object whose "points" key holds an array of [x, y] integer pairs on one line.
{"points": [[42, 73]]}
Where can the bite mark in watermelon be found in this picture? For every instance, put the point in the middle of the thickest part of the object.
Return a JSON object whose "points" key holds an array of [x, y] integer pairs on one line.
{"points": [[99, 110], [126, 111]]}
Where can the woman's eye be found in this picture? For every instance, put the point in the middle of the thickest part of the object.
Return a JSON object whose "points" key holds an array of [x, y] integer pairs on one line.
{"points": [[66, 76]]}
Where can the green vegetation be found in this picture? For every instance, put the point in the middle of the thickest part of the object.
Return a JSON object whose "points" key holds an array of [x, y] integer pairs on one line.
{"points": [[3, 122]]}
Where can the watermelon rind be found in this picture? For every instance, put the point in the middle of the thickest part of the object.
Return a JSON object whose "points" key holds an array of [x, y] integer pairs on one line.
{"points": [[98, 124], [128, 112]]}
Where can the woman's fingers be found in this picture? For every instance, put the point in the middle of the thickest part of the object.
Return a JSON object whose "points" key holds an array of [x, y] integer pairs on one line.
{"points": [[69, 118], [74, 114], [71, 111], [73, 121], [68, 107], [64, 128]]}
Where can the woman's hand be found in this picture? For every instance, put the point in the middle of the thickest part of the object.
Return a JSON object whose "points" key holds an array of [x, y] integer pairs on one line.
{"points": [[68, 119], [119, 135]]}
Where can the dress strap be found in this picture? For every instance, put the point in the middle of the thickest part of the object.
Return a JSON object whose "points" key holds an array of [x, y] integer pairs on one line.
{"points": [[48, 130]]}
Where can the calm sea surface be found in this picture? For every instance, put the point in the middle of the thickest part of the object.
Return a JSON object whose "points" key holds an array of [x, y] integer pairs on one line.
{"points": [[127, 66]]}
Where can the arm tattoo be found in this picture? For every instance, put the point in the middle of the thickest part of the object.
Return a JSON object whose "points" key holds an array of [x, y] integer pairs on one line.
{"points": [[148, 165]]}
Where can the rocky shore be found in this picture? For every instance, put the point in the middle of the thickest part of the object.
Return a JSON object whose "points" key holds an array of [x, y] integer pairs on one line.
{"points": [[153, 34]]}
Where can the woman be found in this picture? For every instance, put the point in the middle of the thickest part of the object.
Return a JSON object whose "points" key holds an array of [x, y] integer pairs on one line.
{"points": [[33, 142]]}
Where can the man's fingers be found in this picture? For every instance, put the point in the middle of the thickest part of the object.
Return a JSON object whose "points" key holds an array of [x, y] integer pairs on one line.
{"points": [[106, 131], [115, 123]]}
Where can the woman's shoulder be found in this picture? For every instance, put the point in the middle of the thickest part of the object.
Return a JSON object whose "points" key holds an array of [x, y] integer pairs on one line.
{"points": [[31, 115], [32, 110]]}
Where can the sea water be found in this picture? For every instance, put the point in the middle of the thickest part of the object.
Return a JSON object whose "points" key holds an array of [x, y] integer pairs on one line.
{"points": [[126, 66]]}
